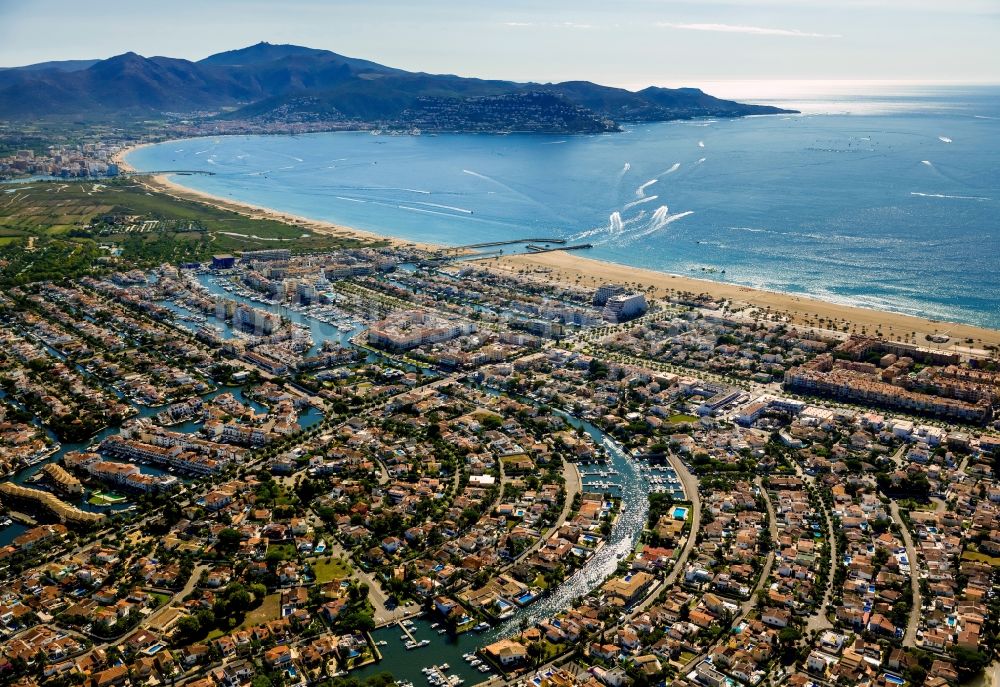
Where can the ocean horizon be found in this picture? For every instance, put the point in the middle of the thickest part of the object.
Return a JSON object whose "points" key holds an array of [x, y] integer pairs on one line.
{"points": [[883, 199]]}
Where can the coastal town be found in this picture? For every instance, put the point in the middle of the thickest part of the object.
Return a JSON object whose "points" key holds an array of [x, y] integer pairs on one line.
{"points": [[393, 465]]}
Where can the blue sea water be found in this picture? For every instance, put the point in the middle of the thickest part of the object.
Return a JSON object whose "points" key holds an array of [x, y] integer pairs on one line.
{"points": [[887, 201]]}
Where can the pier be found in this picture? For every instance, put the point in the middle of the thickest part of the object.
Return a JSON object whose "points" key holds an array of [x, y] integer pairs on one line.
{"points": [[170, 171], [406, 631], [492, 244], [541, 249]]}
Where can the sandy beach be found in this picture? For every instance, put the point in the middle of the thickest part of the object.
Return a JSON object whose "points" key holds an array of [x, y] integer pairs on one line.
{"points": [[163, 184], [573, 269]]}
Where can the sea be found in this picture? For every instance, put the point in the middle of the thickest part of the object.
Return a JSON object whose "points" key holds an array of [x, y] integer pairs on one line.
{"points": [[879, 195]]}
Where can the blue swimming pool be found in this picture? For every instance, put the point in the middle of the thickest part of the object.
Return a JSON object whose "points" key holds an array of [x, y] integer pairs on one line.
{"points": [[680, 513]]}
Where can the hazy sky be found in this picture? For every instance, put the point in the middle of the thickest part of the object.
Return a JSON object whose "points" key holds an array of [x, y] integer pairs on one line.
{"points": [[633, 43]]}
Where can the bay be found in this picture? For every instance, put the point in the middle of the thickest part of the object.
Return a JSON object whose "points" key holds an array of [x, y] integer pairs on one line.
{"points": [[889, 202]]}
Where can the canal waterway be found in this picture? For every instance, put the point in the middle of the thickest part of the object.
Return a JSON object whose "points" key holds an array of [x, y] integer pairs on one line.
{"points": [[624, 480]]}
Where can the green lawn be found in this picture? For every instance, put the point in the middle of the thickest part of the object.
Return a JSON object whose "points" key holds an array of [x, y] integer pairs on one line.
{"points": [[270, 609], [287, 551], [336, 569], [981, 557], [681, 418]]}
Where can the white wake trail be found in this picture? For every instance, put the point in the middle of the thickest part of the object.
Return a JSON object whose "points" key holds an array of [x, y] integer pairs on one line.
{"points": [[647, 199], [641, 191]]}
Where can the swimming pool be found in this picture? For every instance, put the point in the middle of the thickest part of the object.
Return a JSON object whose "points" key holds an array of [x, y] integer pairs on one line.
{"points": [[680, 513], [894, 679]]}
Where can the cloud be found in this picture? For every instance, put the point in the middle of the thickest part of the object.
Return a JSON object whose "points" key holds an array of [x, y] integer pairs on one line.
{"points": [[753, 30], [518, 23]]}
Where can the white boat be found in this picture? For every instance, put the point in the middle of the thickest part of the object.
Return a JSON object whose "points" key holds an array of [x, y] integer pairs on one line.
{"points": [[445, 666]]}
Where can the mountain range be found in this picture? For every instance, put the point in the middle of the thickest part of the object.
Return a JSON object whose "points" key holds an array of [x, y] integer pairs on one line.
{"points": [[275, 85]]}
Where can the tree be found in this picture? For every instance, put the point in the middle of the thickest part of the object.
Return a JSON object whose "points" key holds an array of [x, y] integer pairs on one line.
{"points": [[228, 540]]}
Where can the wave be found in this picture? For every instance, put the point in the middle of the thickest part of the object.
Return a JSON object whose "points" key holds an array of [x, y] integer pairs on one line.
{"points": [[828, 238], [945, 195], [445, 207], [944, 139], [353, 200], [552, 143], [200, 152], [701, 144], [257, 174], [626, 168], [646, 199], [641, 191], [700, 160], [927, 162], [615, 224], [673, 168]]}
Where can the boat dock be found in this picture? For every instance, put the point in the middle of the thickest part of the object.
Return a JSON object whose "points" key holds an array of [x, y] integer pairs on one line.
{"points": [[22, 518], [406, 631]]}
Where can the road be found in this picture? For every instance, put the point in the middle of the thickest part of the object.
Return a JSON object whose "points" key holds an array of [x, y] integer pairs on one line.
{"points": [[765, 573], [818, 620], [690, 484], [910, 638]]}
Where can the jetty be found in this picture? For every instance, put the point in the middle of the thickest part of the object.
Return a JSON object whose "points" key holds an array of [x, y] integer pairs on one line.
{"points": [[492, 244], [186, 172], [542, 249]]}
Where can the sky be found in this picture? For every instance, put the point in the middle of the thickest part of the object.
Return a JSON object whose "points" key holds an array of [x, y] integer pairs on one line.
{"points": [[628, 43]]}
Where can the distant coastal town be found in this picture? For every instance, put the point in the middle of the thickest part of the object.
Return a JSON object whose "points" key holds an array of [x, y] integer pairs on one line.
{"points": [[397, 464]]}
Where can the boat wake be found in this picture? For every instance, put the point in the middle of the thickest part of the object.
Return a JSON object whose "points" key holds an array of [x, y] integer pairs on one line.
{"points": [[445, 207], [945, 195], [617, 235], [639, 202], [641, 191]]}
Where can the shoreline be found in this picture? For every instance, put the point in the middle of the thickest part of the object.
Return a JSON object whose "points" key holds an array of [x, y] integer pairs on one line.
{"points": [[163, 184], [576, 270], [579, 271]]}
